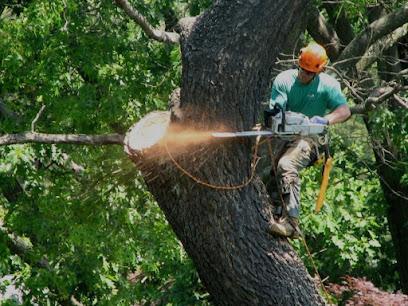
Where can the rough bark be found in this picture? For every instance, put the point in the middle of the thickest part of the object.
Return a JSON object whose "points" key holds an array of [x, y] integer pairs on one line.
{"points": [[227, 67], [396, 196], [386, 154]]}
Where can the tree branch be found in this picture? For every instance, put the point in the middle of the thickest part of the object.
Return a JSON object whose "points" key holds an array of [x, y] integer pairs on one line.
{"points": [[377, 29], [401, 101], [30, 137], [378, 96], [323, 33], [382, 44], [162, 36], [340, 21], [21, 247], [36, 118]]}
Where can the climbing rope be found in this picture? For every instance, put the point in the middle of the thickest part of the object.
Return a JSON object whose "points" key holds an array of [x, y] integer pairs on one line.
{"points": [[255, 160], [328, 296]]}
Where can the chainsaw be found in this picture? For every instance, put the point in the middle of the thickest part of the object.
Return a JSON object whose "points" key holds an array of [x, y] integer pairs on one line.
{"points": [[281, 124]]}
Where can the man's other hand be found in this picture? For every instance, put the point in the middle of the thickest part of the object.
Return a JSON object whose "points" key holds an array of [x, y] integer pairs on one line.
{"points": [[319, 120]]}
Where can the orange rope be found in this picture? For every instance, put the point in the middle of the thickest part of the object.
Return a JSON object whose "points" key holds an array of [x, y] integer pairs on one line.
{"points": [[255, 161]]}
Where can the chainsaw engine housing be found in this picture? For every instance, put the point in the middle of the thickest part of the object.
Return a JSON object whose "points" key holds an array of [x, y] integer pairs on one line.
{"points": [[290, 123]]}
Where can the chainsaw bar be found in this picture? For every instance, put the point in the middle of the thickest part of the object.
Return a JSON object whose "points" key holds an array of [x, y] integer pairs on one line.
{"points": [[255, 133], [242, 134]]}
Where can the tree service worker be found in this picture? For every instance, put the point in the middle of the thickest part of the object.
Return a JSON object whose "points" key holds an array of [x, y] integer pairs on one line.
{"points": [[309, 91]]}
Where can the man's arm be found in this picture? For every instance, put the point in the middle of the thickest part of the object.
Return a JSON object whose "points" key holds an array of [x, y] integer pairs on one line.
{"points": [[340, 114]]}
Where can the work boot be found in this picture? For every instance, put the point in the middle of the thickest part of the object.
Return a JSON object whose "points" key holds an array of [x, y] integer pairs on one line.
{"points": [[286, 227]]}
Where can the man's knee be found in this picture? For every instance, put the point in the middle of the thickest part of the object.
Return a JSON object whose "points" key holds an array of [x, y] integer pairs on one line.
{"points": [[289, 184], [286, 166]]}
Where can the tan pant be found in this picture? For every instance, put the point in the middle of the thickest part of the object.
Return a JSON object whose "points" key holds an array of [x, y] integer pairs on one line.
{"points": [[298, 154]]}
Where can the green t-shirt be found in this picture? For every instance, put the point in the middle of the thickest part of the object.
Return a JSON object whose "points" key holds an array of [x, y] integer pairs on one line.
{"points": [[322, 94]]}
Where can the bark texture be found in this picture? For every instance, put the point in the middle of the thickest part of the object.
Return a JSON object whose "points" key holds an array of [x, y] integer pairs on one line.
{"points": [[395, 194], [228, 57], [386, 155]]}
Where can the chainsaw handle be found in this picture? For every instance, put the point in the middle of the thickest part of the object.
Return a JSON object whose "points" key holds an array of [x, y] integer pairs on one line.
{"points": [[279, 108], [283, 119], [268, 113]]}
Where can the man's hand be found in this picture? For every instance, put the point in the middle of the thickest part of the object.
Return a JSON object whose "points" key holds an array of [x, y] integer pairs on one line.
{"points": [[319, 120], [340, 114]]}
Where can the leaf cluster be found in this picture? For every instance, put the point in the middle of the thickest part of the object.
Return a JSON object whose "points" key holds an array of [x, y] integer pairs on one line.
{"points": [[350, 236]]}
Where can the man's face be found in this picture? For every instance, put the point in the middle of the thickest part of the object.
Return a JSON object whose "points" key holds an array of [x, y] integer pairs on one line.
{"points": [[305, 76]]}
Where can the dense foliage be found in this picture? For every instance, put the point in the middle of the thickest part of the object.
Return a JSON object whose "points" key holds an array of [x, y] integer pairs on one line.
{"points": [[350, 236], [102, 235], [88, 225]]}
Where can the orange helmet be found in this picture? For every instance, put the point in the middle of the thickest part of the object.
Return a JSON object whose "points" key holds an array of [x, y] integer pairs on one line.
{"points": [[313, 57]]}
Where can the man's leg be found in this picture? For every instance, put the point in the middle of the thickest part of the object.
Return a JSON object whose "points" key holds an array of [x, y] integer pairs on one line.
{"points": [[300, 154], [276, 148]]}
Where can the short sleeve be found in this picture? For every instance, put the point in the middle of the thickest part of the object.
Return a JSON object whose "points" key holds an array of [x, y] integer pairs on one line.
{"points": [[335, 96], [278, 95]]}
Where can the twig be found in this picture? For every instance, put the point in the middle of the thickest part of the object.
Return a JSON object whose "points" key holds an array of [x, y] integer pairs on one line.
{"points": [[401, 101], [162, 36], [75, 302], [65, 27], [36, 118], [352, 90], [351, 59]]}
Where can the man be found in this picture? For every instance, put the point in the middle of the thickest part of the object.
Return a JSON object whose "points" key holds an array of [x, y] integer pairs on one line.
{"points": [[309, 91]]}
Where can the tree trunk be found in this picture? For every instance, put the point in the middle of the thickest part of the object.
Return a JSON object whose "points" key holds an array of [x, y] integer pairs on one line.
{"points": [[396, 197], [395, 194], [227, 66], [390, 179]]}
